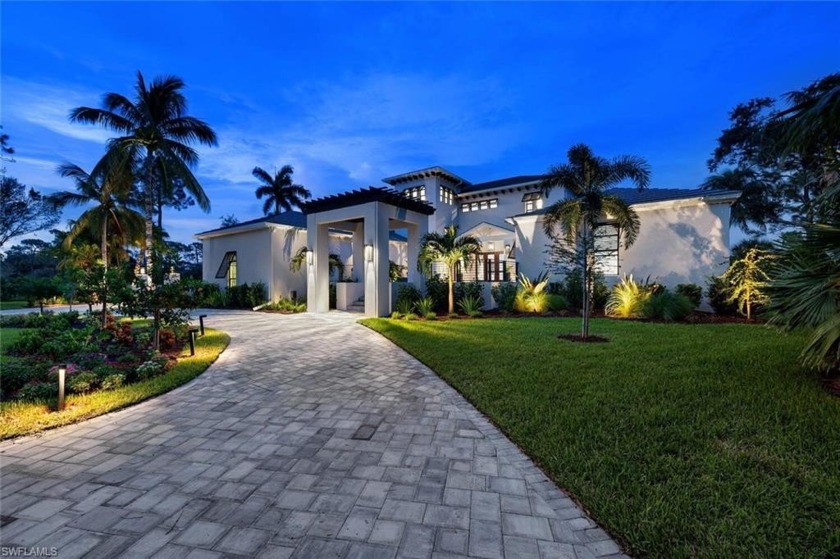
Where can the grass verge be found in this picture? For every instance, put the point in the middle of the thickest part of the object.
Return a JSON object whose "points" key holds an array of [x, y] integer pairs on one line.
{"points": [[25, 418], [681, 440], [9, 305]]}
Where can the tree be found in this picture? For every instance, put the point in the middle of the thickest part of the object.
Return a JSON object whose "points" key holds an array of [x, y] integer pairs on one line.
{"points": [[451, 250], [229, 220], [572, 221], [112, 218], [158, 135], [747, 279], [757, 205], [23, 211], [279, 190], [804, 288], [787, 166]]}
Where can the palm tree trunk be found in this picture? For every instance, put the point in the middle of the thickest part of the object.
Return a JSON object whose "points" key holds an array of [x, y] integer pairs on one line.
{"points": [[584, 332], [451, 281], [150, 202], [104, 268]]}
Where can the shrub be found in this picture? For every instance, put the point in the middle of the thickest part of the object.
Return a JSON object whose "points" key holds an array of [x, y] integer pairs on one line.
{"points": [[168, 340], [531, 296], [505, 295], [471, 289], [14, 375], [13, 321], [667, 306], [424, 306], [113, 381], [395, 315], [38, 391], [407, 297], [572, 290], [410, 316], [83, 382], [719, 294], [430, 316], [627, 298], [438, 291], [287, 305], [471, 306], [246, 296], [691, 290], [150, 369], [557, 302]]}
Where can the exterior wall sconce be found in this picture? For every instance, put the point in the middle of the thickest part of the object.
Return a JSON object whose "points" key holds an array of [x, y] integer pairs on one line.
{"points": [[309, 257], [62, 372], [507, 250], [368, 253]]}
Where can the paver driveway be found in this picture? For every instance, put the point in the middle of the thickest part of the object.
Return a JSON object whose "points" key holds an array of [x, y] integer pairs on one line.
{"points": [[310, 437]]}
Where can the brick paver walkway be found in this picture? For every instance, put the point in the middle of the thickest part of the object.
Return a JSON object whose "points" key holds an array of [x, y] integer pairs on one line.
{"points": [[310, 437]]}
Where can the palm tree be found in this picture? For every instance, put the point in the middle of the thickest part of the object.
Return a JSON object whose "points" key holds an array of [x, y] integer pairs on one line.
{"points": [[156, 133], [110, 195], [449, 248], [587, 177], [112, 206], [279, 190]]}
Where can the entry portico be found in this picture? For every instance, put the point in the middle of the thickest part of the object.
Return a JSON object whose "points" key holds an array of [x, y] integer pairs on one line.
{"points": [[371, 214]]}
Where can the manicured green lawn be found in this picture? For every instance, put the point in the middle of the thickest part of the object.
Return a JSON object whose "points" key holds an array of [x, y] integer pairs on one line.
{"points": [[23, 418], [8, 305], [681, 440]]}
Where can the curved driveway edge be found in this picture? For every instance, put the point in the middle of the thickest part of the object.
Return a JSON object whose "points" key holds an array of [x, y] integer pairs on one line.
{"points": [[310, 437]]}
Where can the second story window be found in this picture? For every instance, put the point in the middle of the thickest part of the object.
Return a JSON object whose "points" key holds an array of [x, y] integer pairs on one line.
{"points": [[417, 193], [481, 205], [531, 201], [447, 195]]}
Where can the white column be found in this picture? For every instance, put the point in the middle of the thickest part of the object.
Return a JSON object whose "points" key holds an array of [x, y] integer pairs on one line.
{"points": [[317, 273], [412, 252], [359, 252]]}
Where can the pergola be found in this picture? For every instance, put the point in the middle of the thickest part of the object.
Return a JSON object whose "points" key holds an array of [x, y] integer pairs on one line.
{"points": [[370, 213]]}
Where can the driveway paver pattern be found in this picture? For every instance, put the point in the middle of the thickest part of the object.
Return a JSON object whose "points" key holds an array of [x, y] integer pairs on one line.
{"points": [[310, 437]]}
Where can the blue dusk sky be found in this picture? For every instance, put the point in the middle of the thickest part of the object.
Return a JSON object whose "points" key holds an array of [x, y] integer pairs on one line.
{"points": [[351, 93]]}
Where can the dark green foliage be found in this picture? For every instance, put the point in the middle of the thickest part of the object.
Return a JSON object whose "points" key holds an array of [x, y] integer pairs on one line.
{"points": [[667, 306], [13, 321], [38, 391], [557, 302], [504, 294], [719, 297], [246, 296], [473, 289], [424, 306], [14, 374], [471, 306], [407, 297], [691, 290], [572, 289], [113, 381]]}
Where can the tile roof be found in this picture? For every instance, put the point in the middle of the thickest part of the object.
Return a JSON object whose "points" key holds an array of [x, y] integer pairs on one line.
{"points": [[291, 218], [501, 183], [364, 196]]}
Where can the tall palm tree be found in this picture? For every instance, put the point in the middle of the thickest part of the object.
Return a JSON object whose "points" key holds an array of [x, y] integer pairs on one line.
{"points": [[279, 190], [587, 177], [110, 195], [158, 134], [756, 204], [449, 248]]}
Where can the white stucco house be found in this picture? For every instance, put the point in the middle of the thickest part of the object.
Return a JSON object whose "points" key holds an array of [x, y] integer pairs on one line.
{"points": [[684, 237]]}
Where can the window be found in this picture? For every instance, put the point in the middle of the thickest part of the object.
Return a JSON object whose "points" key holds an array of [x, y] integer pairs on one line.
{"points": [[482, 205], [530, 200], [417, 193], [228, 268], [606, 249], [447, 195]]}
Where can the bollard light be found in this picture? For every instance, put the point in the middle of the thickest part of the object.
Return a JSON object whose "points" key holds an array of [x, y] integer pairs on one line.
{"points": [[62, 372], [201, 318], [193, 332]]}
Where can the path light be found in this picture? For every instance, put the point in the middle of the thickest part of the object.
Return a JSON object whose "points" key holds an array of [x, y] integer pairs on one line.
{"points": [[369, 253], [193, 332], [309, 257], [201, 318], [62, 371]]}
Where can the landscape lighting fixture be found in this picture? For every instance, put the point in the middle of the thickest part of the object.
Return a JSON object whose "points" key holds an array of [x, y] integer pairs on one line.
{"points": [[62, 372]]}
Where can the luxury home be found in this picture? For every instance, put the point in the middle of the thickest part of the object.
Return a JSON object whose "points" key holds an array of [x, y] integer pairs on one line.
{"points": [[684, 238]]}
